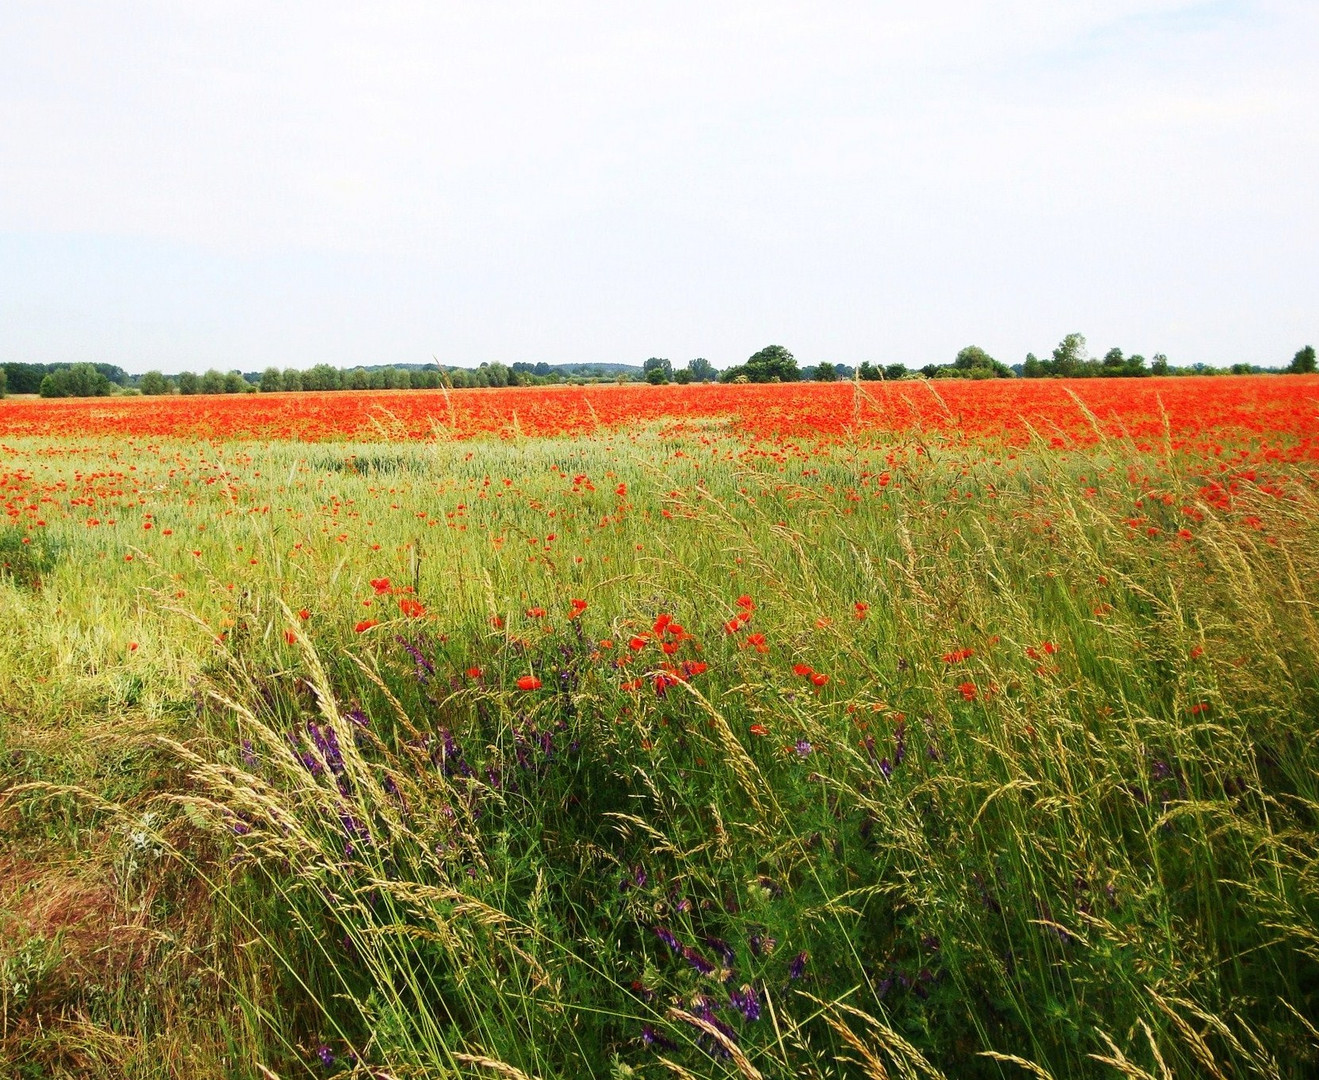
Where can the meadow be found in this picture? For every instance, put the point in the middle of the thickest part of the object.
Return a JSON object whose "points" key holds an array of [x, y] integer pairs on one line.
{"points": [[848, 730]]}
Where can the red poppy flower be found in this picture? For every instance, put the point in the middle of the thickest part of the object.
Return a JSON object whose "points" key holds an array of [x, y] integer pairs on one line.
{"points": [[528, 682], [968, 690], [381, 585], [819, 679], [365, 625], [802, 669], [759, 729]]}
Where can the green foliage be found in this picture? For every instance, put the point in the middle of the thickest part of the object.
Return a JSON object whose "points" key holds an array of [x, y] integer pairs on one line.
{"points": [[1303, 362], [973, 362], [702, 370], [4, 382], [189, 383], [272, 382], [826, 372], [657, 371], [153, 384], [325, 377], [773, 363], [77, 380], [26, 556]]}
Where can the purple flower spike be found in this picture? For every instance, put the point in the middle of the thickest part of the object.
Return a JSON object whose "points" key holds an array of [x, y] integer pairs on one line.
{"points": [[798, 966], [325, 1054], [652, 1038], [668, 939], [699, 962], [803, 748], [747, 1002], [724, 950]]}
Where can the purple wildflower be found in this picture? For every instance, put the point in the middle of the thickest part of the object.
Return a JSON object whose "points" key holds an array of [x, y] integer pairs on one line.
{"points": [[424, 666], [886, 769], [249, 754], [667, 937], [650, 1037], [724, 950], [803, 748], [747, 1002], [798, 966], [699, 962], [358, 717], [325, 1054]]}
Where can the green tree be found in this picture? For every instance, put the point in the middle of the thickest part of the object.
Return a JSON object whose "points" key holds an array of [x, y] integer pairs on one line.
{"points": [[702, 370], [1033, 368], [773, 363], [272, 382], [975, 363], [1114, 362], [320, 377], [657, 370], [894, 372], [4, 382], [358, 379], [1159, 365], [1303, 362], [25, 378], [212, 382], [77, 380], [682, 376], [234, 383], [153, 384], [1070, 357], [292, 379], [826, 372], [188, 382]]}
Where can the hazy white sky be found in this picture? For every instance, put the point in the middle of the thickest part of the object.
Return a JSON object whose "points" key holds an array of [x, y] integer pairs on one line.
{"points": [[236, 184]]}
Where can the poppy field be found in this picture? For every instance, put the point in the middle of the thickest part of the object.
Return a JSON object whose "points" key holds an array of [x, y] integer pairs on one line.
{"points": [[920, 729]]}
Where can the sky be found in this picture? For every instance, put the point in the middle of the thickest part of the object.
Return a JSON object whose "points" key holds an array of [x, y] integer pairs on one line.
{"points": [[238, 184]]}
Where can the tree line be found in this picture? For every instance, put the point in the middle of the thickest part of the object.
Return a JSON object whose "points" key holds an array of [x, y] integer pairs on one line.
{"points": [[774, 363]]}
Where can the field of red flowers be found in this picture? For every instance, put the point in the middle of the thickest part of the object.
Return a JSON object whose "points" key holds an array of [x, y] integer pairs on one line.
{"points": [[1268, 412]]}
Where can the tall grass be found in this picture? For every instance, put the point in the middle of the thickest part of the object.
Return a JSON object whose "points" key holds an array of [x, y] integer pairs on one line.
{"points": [[1046, 808]]}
